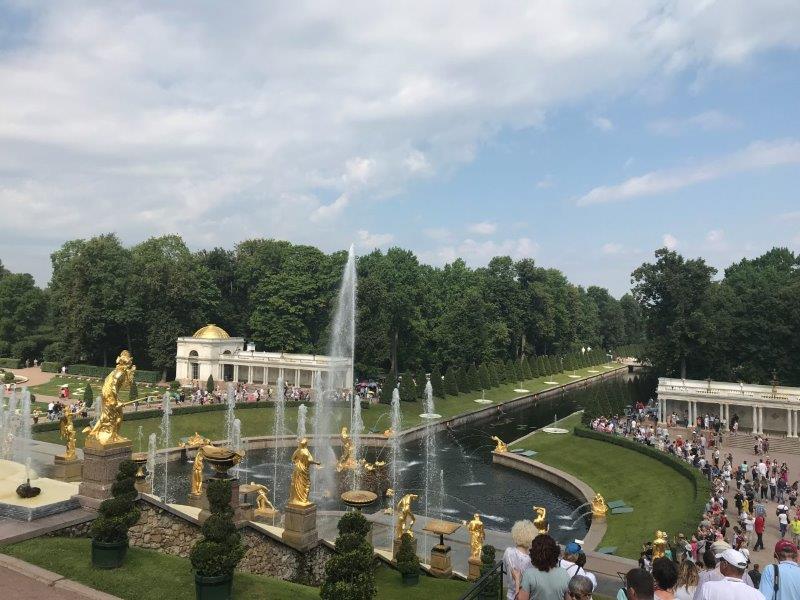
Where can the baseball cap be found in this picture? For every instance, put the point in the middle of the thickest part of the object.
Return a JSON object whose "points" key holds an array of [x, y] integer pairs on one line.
{"points": [[785, 546], [719, 547], [734, 558], [572, 548]]}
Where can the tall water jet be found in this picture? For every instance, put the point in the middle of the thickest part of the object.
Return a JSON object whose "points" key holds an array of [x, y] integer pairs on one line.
{"points": [[302, 416], [151, 459], [22, 435], [236, 440], [278, 427], [2, 423], [430, 409], [356, 429], [395, 448], [166, 412], [340, 377], [229, 413]]}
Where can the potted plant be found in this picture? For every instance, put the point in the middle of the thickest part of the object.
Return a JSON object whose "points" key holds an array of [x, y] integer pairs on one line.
{"points": [[117, 515], [407, 561], [216, 555], [349, 575]]}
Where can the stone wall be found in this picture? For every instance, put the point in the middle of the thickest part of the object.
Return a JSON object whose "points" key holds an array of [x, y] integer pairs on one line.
{"points": [[163, 530], [78, 530]]}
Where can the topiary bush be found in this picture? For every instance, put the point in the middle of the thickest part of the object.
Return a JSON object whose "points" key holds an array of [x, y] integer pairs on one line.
{"points": [[8, 377], [118, 514], [407, 559], [10, 363], [210, 384], [349, 574], [492, 589], [88, 395], [221, 548]]}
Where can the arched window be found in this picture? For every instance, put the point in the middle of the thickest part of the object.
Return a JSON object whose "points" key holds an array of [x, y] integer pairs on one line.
{"points": [[193, 354], [227, 352]]}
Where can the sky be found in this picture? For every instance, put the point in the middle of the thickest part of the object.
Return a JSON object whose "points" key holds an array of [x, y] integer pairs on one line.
{"points": [[582, 134]]}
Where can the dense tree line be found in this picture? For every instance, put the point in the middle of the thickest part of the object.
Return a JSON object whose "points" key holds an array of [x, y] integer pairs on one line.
{"points": [[104, 296], [740, 327]]}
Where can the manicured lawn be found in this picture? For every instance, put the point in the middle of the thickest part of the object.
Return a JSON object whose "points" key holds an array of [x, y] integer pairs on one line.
{"points": [[659, 495], [148, 574], [259, 421], [76, 386]]}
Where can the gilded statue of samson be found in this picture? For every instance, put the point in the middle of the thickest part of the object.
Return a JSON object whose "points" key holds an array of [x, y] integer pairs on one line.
{"points": [[105, 432]]}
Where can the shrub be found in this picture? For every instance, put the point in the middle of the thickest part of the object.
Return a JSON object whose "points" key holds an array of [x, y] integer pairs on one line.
{"points": [[407, 559], [10, 363], [51, 367], [450, 382], [118, 514], [436, 382], [349, 574], [388, 387], [210, 384], [88, 395], [101, 372], [175, 385], [221, 548], [8, 377], [492, 590]]}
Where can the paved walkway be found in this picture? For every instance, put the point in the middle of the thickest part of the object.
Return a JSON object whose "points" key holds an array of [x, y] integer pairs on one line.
{"points": [[34, 374], [19, 579]]}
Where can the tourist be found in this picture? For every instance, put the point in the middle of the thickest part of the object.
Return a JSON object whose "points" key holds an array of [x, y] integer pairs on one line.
{"points": [[788, 587], [759, 525], [714, 573], [783, 521], [516, 559], [544, 579], [794, 526], [665, 577], [638, 586], [732, 566], [570, 562], [755, 575], [580, 588], [687, 580]]}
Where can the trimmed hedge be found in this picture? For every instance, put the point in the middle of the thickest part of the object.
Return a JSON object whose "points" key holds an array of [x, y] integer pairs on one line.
{"points": [[101, 372], [701, 485], [51, 367], [10, 363], [155, 413]]}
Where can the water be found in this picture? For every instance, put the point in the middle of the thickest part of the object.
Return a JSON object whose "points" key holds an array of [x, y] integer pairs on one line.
{"points": [[166, 439], [395, 449], [139, 436], [279, 424], [302, 415], [356, 429], [429, 407], [22, 429], [229, 413], [431, 470], [151, 459], [236, 442]]}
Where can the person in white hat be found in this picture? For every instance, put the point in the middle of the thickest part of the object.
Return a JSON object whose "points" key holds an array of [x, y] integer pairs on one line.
{"points": [[715, 574], [732, 565]]}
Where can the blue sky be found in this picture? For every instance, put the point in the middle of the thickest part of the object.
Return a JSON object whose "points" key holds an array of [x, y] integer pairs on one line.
{"points": [[584, 136]]}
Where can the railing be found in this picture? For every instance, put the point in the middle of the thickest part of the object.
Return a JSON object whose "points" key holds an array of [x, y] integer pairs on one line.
{"points": [[489, 586]]}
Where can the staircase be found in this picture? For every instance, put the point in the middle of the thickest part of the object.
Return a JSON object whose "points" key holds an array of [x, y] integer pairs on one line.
{"points": [[777, 445]]}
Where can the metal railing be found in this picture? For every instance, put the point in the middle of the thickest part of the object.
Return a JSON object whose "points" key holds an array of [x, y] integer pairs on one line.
{"points": [[489, 586]]}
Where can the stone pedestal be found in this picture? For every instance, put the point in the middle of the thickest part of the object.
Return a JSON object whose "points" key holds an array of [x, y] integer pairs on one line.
{"points": [[440, 562], [196, 501], [300, 526], [474, 572], [396, 546], [100, 468], [67, 469], [268, 516]]}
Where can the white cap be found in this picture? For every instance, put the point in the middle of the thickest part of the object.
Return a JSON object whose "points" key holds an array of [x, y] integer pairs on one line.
{"points": [[734, 558]]}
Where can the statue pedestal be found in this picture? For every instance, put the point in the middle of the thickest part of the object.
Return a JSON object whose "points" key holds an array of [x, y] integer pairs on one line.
{"points": [[268, 515], [300, 526], [67, 469], [474, 572], [396, 546], [441, 566], [100, 468], [196, 500]]}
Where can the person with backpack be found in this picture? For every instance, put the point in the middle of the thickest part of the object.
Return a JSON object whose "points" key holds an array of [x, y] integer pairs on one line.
{"points": [[781, 581]]}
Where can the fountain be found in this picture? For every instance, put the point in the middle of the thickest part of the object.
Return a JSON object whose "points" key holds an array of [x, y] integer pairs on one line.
{"points": [[151, 459], [483, 400], [22, 433], [166, 411], [430, 409], [356, 429], [302, 416], [229, 413], [236, 443], [278, 426]]}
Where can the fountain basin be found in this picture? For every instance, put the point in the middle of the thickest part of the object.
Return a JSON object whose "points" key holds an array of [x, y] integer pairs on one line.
{"points": [[483, 401], [558, 430], [55, 496], [430, 416]]}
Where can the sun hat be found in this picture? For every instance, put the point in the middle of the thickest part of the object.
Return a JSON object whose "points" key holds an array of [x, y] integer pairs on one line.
{"points": [[734, 558]]}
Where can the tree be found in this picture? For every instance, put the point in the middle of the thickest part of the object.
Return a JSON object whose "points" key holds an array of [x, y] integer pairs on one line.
{"points": [[388, 388], [464, 384], [133, 392], [88, 395], [349, 574], [674, 295], [483, 375], [408, 390], [451, 382], [420, 379], [437, 383], [210, 384]]}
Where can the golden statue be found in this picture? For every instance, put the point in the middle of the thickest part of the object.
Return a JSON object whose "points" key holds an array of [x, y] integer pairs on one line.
{"points": [[599, 506], [67, 429], [388, 433], [346, 461], [540, 522], [197, 475], [263, 505], [302, 460], [501, 445], [196, 440], [660, 545], [477, 535], [219, 453], [105, 431], [405, 518]]}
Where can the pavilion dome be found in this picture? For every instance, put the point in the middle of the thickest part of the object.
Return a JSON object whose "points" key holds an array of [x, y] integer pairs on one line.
{"points": [[211, 332]]}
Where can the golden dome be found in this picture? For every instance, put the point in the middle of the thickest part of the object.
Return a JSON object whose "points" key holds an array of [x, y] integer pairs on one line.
{"points": [[211, 332]]}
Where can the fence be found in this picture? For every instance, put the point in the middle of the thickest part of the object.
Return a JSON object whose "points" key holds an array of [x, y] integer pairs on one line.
{"points": [[489, 586]]}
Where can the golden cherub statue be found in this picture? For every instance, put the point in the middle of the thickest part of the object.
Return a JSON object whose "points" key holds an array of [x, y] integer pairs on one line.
{"points": [[197, 440], [105, 431], [477, 535], [599, 506], [405, 518], [263, 505], [660, 545], [67, 430], [501, 445], [540, 522], [302, 459], [197, 474], [346, 460]]}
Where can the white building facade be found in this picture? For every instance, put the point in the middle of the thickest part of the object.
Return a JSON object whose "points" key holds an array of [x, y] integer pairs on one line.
{"points": [[760, 408], [211, 351]]}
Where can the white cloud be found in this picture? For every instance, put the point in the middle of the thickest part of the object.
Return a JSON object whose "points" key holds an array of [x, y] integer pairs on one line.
{"points": [[370, 241], [710, 120], [670, 241], [611, 248], [602, 123], [148, 118], [545, 183], [715, 236], [483, 228], [756, 156], [478, 253]]}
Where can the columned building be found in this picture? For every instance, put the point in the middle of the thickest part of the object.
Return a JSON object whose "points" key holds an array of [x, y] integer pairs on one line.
{"points": [[760, 408], [211, 351]]}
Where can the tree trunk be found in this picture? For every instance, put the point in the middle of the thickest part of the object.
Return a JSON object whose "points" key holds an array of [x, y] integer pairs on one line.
{"points": [[393, 352]]}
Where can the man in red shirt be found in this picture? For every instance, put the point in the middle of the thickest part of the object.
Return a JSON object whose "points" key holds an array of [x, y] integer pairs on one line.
{"points": [[758, 527]]}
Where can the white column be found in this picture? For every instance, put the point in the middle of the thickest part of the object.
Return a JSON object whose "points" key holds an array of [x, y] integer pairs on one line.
{"points": [[660, 411], [789, 432], [795, 422], [760, 419], [755, 419]]}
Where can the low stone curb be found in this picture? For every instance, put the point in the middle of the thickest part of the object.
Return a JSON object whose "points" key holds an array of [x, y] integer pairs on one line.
{"points": [[52, 579]]}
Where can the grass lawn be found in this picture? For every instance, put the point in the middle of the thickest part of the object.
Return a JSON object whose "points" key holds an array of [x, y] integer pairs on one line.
{"points": [[659, 495], [76, 386], [148, 574], [259, 421]]}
